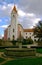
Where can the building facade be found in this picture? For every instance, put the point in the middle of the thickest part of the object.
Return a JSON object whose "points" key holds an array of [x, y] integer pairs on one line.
{"points": [[15, 29], [5, 34]]}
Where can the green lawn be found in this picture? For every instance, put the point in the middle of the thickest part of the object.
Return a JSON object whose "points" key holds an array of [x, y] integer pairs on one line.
{"points": [[1, 60], [39, 50], [25, 61]]}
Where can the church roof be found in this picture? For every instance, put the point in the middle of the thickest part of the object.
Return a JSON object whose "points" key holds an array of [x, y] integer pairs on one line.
{"points": [[21, 25], [14, 9], [28, 30]]}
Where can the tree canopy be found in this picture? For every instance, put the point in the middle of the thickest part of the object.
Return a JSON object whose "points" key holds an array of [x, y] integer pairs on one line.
{"points": [[38, 31]]}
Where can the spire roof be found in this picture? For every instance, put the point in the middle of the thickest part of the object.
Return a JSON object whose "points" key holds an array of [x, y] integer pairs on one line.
{"points": [[14, 9]]}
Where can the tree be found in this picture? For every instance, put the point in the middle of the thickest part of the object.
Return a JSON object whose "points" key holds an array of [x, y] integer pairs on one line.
{"points": [[27, 41], [20, 38], [38, 31]]}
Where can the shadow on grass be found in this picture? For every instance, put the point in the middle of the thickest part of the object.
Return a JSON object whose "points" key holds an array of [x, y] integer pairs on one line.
{"points": [[1, 60], [25, 61]]}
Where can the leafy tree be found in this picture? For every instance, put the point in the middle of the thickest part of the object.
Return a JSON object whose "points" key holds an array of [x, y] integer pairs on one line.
{"points": [[30, 41], [27, 41], [20, 38], [38, 31]]}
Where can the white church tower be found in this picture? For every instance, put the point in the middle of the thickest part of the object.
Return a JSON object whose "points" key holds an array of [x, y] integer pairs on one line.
{"points": [[14, 24]]}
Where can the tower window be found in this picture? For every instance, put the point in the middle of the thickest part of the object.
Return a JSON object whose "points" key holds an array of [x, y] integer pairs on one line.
{"points": [[13, 30]]}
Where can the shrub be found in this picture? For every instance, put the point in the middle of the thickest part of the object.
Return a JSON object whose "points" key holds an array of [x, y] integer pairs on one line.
{"points": [[1, 42], [14, 42], [27, 41], [30, 41], [24, 42]]}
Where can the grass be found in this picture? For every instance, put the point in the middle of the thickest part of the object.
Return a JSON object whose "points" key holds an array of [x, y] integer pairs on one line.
{"points": [[25, 61], [1, 60], [39, 50], [2, 50]]}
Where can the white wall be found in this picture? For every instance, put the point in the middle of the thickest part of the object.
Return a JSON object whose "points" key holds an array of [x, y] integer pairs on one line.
{"points": [[14, 25], [29, 34]]}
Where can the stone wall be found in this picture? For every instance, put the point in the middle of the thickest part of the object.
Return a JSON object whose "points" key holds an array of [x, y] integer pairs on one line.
{"points": [[20, 52]]}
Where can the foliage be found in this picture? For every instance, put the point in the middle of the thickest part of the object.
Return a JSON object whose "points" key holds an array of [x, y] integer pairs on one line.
{"points": [[38, 31], [20, 38], [39, 50], [30, 41], [1, 42], [27, 41], [5, 43], [2, 50], [14, 42], [24, 42]]}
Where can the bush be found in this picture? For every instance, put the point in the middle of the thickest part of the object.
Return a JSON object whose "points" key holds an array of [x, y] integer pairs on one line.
{"points": [[24, 42], [39, 50], [27, 41], [30, 41], [1, 42], [14, 42], [19, 40]]}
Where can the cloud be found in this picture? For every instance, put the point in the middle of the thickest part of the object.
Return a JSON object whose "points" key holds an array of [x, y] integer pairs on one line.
{"points": [[31, 14], [33, 6], [29, 11], [0, 20], [4, 7], [21, 13], [5, 10], [2, 35], [4, 26], [29, 22], [36, 21]]}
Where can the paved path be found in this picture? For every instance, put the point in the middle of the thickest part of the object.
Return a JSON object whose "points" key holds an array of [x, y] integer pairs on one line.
{"points": [[6, 58], [39, 54], [1, 54]]}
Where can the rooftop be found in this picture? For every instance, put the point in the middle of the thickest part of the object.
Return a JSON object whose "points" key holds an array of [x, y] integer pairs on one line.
{"points": [[28, 30], [14, 9]]}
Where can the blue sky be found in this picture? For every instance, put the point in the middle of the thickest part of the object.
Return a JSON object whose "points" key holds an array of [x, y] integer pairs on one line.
{"points": [[29, 11]]}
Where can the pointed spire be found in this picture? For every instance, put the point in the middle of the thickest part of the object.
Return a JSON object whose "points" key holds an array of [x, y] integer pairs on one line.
{"points": [[14, 9]]}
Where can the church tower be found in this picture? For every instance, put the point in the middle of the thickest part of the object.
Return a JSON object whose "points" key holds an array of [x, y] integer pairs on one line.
{"points": [[14, 24]]}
